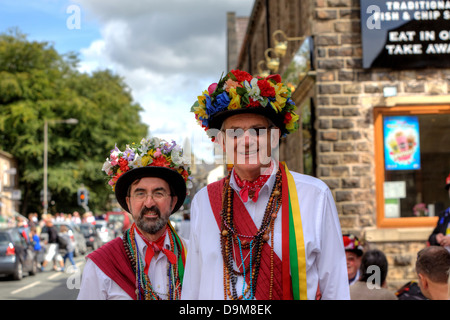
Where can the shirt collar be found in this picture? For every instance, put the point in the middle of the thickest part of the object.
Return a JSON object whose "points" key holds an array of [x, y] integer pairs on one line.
{"points": [[143, 246], [266, 188]]}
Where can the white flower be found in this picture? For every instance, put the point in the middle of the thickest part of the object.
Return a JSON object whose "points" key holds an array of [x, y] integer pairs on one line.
{"points": [[106, 166], [253, 89]]}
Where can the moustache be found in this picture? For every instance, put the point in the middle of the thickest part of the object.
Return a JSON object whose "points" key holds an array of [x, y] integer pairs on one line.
{"points": [[153, 209]]}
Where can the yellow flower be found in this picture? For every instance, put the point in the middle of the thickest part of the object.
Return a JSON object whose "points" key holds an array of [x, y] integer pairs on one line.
{"points": [[201, 111], [235, 102], [146, 158], [292, 124]]}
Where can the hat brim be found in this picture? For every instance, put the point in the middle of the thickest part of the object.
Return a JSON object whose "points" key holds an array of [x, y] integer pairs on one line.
{"points": [[173, 178], [358, 252], [217, 120]]}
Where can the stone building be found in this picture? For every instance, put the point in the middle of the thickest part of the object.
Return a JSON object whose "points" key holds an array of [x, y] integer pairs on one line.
{"points": [[347, 94], [8, 182]]}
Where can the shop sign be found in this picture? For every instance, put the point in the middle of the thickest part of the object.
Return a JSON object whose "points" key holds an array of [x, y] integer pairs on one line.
{"points": [[405, 34]]}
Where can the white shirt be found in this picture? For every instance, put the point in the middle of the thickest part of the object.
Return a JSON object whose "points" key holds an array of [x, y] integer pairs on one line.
{"points": [[325, 256], [96, 285]]}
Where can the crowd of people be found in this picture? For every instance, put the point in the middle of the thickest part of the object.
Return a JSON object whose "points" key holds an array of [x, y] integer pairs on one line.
{"points": [[50, 244]]}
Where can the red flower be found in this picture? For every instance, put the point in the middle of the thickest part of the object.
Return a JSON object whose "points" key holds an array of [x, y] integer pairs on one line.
{"points": [[275, 77], [287, 117], [347, 241], [160, 162], [266, 89], [123, 164], [253, 103], [241, 75]]}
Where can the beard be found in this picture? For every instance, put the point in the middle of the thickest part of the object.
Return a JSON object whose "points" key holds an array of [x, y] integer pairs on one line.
{"points": [[152, 225]]}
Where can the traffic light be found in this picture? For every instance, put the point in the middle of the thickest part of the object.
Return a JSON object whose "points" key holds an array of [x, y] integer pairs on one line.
{"points": [[83, 197]]}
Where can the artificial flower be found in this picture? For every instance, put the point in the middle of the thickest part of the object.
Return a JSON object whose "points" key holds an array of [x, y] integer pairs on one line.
{"points": [[235, 102], [150, 152]]}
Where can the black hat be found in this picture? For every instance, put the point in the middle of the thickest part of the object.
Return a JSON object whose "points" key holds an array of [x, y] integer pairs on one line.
{"points": [[151, 158]]}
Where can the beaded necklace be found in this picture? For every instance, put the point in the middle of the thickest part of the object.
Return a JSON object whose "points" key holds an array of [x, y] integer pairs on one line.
{"points": [[144, 289], [229, 236]]}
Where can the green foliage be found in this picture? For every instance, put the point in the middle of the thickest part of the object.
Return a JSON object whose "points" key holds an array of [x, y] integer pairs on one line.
{"points": [[38, 84]]}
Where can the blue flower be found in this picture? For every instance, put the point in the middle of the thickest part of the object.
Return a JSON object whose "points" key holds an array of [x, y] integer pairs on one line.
{"points": [[221, 103]]}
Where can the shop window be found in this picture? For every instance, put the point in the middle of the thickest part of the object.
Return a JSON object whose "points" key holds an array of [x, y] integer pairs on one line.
{"points": [[412, 154]]}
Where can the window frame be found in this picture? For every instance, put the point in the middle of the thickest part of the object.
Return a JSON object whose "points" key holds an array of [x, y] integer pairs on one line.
{"points": [[379, 112]]}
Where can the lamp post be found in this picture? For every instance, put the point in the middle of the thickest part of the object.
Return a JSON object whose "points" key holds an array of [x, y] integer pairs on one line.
{"points": [[68, 121]]}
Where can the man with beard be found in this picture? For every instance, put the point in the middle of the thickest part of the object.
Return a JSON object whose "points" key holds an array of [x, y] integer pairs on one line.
{"points": [[147, 263]]}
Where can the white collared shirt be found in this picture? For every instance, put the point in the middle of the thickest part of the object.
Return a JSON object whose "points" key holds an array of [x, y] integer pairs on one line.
{"points": [[325, 256], [96, 285]]}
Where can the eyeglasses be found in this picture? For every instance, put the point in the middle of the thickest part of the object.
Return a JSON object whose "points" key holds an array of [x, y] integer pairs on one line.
{"points": [[253, 132], [156, 195]]}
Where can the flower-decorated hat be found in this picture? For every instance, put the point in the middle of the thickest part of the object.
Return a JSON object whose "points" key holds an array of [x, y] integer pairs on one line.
{"points": [[239, 92], [150, 158], [352, 243]]}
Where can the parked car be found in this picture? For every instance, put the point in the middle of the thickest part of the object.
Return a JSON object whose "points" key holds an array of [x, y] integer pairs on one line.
{"points": [[93, 239], [16, 254], [104, 231], [76, 235]]}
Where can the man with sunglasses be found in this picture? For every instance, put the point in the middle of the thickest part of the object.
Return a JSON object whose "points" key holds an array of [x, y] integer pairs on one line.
{"points": [[262, 232], [147, 262]]}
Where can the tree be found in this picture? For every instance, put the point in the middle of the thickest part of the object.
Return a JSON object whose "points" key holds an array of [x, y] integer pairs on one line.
{"points": [[38, 84]]}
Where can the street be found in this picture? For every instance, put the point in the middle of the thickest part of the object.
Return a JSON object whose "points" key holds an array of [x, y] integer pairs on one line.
{"points": [[47, 285]]}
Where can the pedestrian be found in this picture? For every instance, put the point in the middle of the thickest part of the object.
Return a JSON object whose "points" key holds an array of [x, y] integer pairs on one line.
{"points": [[353, 253], [441, 233], [150, 182], [36, 241], [76, 217], [52, 245], [69, 247], [371, 285], [262, 232], [432, 267], [185, 226]]}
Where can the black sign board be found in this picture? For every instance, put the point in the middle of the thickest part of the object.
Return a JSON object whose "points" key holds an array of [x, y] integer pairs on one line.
{"points": [[405, 34]]}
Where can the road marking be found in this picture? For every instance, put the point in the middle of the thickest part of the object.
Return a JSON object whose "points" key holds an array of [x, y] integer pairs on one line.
{"points": [[26, 287], [53, 276]]}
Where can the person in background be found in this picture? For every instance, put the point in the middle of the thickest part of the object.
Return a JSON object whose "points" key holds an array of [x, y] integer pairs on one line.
{"points": [[69, 249], [36, 241], [441, 234], [185, 226], [353, 254], [371, 284], [52, 245], [432, 266]]}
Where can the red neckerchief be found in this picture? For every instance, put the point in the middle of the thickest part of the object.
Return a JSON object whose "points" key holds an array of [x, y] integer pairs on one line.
{"points": [[254, 186], [156, 246]]}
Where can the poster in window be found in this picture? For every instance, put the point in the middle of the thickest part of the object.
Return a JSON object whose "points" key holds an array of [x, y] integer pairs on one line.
{"points": [[401, 143]]}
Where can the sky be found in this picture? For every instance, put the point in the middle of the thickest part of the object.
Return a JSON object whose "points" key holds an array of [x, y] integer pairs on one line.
{"points": [[167, 51]]}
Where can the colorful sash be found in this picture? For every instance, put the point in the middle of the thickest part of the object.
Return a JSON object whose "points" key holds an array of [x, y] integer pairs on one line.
{"points": [[293, 248], [293, 242]]}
